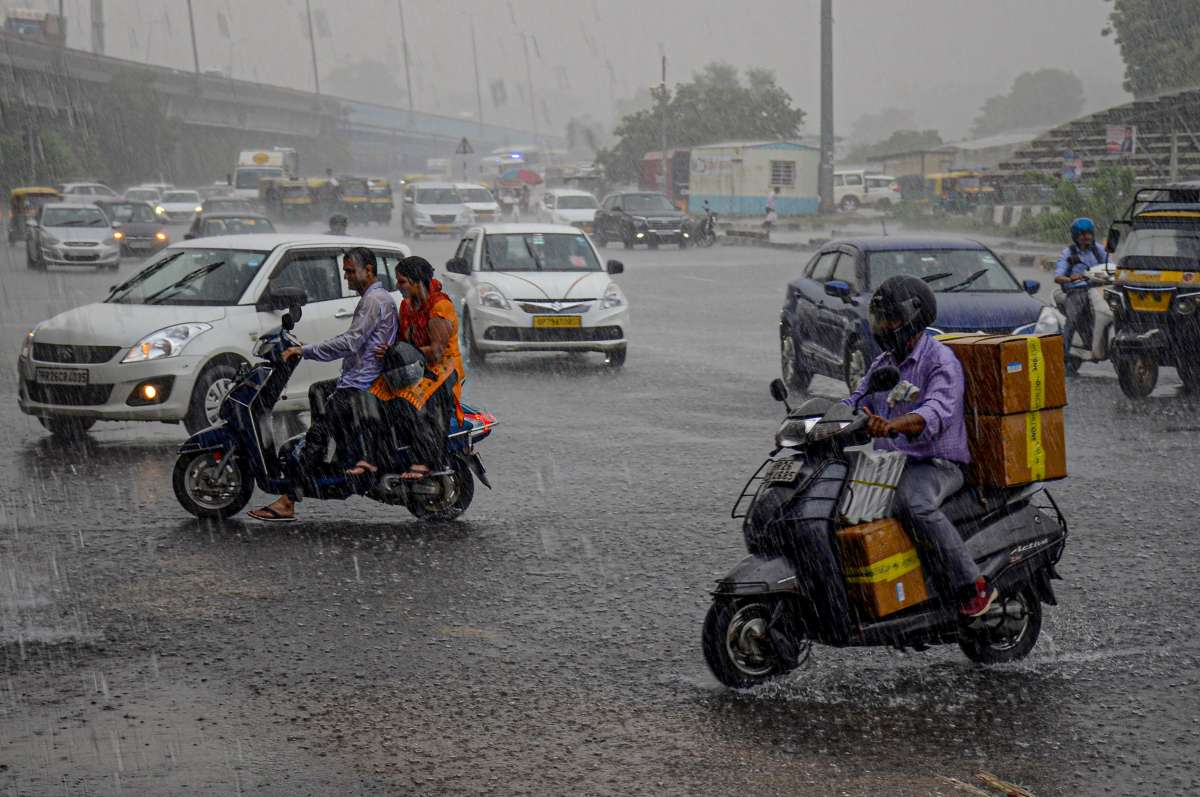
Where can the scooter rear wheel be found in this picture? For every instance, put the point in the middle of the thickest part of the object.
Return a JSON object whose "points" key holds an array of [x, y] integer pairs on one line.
{"points": [[1008, 632], [208, 490], [737, 647], [447, 507]]}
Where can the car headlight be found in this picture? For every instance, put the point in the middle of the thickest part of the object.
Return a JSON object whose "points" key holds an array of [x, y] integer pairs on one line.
{"points": [[792, 432], [612, 297], [27, 345], [1186, 305], [490, 296], [638, 221], [1050, 322], [160, 236], [168, 342], [160, 210], [421, 215], [50, 240], [199, 209], [118, 235]]}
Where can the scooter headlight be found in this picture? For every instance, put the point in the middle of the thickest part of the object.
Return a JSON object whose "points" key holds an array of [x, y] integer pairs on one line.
{"points": [[793, 431], [168, 342], [1186, 305], [1114, 299]]}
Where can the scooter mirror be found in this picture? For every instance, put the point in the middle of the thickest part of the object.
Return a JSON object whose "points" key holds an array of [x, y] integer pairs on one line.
{"points": [[779, 390], [1111, 240], [883, 378]]}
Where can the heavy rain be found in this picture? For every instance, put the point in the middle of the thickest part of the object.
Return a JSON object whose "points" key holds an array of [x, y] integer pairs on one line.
{"points": [[521, 397]]}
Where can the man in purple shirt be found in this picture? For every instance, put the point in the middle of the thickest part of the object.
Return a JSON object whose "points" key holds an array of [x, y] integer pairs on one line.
{"points": [[374, 325], [928, 428]]}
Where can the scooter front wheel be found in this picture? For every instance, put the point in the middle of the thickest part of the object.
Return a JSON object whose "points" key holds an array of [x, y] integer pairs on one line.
{"points": [[211, 487], [737, 647]]}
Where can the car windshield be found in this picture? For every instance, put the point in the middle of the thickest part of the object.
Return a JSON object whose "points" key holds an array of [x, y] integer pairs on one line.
{"points": [[539, 252], [974, 270], [645, 203], [182, 196], [191, 277], [132, 213], [576, 203], [146, 194], [476, 195], [437, 196], [217, 205], [295, 190], [248, 178], [73, 217], [237, 225], [1179, 245]]}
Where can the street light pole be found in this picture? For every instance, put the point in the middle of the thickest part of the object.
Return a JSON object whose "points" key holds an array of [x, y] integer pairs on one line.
{"points": [[662, 127], [404, 47], [478, 90], [529, 85], [312, 44], [192, 29], [825, 175]]}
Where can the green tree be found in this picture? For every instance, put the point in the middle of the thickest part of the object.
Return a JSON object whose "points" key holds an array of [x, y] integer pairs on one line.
{"points": [[719, 104], [1041, 97], [1102, 198], [1160, 43], [899, 141]]}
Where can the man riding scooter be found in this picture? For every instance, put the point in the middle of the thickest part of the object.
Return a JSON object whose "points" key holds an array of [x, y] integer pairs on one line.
{"points": [[1071, 273], [930, 430], [373, 327]]}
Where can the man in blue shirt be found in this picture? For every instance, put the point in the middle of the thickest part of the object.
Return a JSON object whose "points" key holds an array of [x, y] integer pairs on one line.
{"points": [[373, 326], [1071, 273]]}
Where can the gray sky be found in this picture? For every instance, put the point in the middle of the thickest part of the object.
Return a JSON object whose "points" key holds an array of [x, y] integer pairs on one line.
{"points": [[941, 58]]}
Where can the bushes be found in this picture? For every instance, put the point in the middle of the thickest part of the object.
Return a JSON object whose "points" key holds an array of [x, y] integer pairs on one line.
{"points": [[1103, 198]]}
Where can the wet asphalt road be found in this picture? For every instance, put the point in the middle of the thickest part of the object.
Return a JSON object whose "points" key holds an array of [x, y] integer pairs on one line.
{"points": [[548, 643]]}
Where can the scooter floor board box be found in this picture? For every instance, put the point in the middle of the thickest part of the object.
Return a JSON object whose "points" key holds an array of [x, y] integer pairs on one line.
{"points": [[1011, 373], [882, 569], [1011, 450]]}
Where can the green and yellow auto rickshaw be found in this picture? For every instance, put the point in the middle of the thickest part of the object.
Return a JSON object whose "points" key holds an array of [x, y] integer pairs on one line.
{"points": [[1155, 296], [23, 204], [382, 202], [354, 197], [295, 200]]}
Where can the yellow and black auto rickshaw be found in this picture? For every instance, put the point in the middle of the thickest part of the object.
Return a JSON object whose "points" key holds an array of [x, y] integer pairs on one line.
{"points": [[381, 199], [23, 204], [354, 197], [295, 201], [1155, 296]]}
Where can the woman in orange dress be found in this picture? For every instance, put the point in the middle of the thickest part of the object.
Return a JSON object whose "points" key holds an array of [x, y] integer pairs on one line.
{"points": [[428, 321]]}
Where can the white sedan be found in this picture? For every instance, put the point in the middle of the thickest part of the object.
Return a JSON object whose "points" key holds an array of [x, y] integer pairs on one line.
{"points": [[536, 287], [568, 206]]}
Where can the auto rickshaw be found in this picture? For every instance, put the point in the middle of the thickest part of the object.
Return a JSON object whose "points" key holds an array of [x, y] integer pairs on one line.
{"points": [[955, 192], [354, 198], [295, 200], [324, 195], [381, 199], [23, 205], [1155, 296]]}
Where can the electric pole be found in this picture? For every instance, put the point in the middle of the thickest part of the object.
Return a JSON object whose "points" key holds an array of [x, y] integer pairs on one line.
{"points": [[192, 29], [825, 175], [529, 85], [662, 127], [312, 44], [407, 65], [478, 90]]}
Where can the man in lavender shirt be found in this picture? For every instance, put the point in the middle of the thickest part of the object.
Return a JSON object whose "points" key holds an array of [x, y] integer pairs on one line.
{"points": [[374, 324], [930, 430]]}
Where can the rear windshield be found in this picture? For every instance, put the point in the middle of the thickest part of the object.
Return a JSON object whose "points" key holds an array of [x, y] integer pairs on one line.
{"points": [[73, 217], [538, 252], [132, 213], [141, 193], [191, 277], [970, 270], [229, 225], [576, 203], [437, 196], [181, 196], [476, 195], [645, 203], [248, 178]]}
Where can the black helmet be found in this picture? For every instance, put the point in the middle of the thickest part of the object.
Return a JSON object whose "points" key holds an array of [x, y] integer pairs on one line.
{"points": [[901, 307], [338, 220], [403, 365]]}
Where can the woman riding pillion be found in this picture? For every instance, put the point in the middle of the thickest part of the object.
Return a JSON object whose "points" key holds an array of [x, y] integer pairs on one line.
{"points": [[429, 322]]}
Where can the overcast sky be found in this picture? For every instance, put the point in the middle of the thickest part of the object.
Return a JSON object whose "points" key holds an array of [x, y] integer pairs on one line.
{"points": [[941, 58]]}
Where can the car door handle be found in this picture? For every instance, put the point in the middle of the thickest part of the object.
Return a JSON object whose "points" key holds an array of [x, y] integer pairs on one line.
{"points": [[343, 314]]}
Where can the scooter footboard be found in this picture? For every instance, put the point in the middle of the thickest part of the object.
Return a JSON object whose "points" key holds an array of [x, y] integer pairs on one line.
{"points": [[214, 438], [758, 575]]}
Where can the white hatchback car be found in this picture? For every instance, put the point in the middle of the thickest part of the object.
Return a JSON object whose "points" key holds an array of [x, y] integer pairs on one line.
{"points": [[568, 206], [180, 206], [536, 287], [166, 343]]}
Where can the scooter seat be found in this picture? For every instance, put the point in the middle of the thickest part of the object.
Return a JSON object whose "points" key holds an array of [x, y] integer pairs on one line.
{"points": [[973, 501]]}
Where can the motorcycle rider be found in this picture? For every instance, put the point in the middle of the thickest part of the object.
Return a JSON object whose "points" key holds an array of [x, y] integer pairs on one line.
{"points": [[338, 224], [373, 327], [1071, 273], [930, 431]]}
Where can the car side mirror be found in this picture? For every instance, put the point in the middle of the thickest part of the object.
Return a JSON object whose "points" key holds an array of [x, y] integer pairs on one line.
{"points": [[458, 265], [1113, 239], [283, 298], [1032, 287], [615, 267], [839, 289], [779, 390], [883, 378]]}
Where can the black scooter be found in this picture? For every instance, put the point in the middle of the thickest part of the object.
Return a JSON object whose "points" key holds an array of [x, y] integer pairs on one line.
{"points": [[217, 468], [790, 591]]}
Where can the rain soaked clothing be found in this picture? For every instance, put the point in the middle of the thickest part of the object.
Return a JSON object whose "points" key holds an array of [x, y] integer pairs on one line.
{"points": [[924, 487], [1071, 263]]}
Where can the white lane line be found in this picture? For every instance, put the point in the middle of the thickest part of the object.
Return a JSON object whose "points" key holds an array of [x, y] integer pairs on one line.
{"points": [[697, 279]]}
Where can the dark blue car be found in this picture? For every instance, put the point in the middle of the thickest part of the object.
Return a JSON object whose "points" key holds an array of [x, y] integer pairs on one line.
{"points": [[823, 328]]}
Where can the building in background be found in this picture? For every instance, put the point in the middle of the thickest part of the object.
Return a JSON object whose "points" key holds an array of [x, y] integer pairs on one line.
{"points": [[734, 178]]}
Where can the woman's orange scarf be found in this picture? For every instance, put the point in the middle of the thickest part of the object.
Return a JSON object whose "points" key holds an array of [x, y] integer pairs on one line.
{"points": [[414, 321]]}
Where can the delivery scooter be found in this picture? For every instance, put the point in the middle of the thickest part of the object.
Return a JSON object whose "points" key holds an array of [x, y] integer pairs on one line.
{"points": [[1099, 348]]}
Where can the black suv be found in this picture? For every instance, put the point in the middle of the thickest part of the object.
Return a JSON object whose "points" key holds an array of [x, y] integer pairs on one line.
{"points": [[640, 218]]}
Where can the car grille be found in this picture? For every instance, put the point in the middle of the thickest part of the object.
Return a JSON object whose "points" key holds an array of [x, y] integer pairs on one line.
{"points": [[90, 257], [484, 215], [62, 353], [664, 224], [575, 335], [547, 306], [443, 219], [81, 243], [68, 395]]}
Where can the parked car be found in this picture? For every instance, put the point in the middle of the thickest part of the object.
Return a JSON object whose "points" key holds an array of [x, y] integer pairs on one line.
{"points": [[568, 206], [433, 208], [640, 217], [137, 228], [853, 188], [482, 204], [536, 287], [84, 193], [71, 235], [824, 328], [166, 343], [207, 225], [180, 206]]}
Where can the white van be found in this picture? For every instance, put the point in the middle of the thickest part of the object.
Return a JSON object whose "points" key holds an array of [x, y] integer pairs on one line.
{"points": [[853, 188]]}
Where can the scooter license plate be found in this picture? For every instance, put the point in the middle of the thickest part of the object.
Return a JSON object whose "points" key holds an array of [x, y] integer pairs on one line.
{"points": [[783, 472]]}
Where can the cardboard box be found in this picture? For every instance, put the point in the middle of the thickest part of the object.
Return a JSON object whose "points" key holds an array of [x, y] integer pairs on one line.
{"points": [[1011, 373], [1011, 450], [882, 570]]}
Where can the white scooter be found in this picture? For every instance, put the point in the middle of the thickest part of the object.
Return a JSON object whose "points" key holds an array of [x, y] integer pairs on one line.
{"points": [[1098, 349]]}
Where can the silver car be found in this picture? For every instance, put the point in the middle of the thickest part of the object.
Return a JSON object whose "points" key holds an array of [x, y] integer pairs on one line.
{"points": [[71, 235]]}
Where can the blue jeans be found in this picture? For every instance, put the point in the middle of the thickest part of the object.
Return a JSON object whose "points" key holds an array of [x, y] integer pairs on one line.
{"points": [[1079, 317]]}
